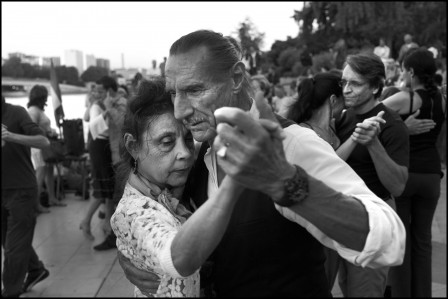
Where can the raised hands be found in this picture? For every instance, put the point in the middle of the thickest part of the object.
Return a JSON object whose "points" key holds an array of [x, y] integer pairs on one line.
{"points": [[369, 129], [251, 151]]}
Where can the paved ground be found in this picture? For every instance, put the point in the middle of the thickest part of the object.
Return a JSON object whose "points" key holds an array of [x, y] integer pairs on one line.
{"points": [[76, 270]]}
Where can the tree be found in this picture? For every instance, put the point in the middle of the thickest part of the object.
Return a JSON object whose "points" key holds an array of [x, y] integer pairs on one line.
{"points": [[93, 73], [361, 24], [249, 36], [13, 68]]}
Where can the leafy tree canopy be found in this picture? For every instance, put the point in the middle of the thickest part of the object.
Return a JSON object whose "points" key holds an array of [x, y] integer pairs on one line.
{"points": [[249, 36], [361, 24], [94, 73]]}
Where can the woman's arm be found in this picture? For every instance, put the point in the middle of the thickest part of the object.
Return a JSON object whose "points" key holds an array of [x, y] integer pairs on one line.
{"points": [[345, 150], [34, 114], [202, 232], [400, 102]]}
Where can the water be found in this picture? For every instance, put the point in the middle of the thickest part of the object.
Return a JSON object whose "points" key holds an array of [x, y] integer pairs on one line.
{"points": [[74, 107]]}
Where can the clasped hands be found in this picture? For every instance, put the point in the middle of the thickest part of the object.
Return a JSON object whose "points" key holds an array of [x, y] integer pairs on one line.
{"points": [[368, 130], [254, 155]]}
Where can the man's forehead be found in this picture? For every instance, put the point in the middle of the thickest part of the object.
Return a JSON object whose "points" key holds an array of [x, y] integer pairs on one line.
{"points": [[188, 67], [349, 73], [196, 57]]}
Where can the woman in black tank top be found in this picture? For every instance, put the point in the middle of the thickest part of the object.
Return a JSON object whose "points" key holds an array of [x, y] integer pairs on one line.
{"points": [[417, 205]]}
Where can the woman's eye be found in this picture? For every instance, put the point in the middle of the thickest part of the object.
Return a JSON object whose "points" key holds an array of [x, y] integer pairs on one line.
{"points": [[167, 141]]}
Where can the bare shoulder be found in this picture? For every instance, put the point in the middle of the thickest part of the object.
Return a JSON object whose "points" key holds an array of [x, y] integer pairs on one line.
{"points": [[398, 102]]}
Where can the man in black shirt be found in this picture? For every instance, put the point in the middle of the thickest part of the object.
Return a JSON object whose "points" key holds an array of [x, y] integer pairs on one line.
{"points": [[375, 143], [19, 196]]}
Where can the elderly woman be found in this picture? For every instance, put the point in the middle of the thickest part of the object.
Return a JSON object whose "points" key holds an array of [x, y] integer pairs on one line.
{"points": [[153, 221]]}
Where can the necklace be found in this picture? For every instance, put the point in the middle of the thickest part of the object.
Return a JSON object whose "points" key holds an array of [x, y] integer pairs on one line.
{"points": [[329, 135]]}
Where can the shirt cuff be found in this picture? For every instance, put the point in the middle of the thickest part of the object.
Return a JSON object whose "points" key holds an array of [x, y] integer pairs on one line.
{"points": [[385, 244], [166, 261]]}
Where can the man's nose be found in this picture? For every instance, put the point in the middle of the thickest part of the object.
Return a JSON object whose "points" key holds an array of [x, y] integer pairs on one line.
{"points": [[346, 88], [182, 107]]}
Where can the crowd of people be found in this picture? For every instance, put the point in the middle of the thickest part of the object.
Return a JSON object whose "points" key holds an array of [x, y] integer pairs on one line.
{"points": [[216, 181]]}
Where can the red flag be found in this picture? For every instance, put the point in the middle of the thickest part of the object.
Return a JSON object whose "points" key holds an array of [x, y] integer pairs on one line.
{"points": [[56, 96]]}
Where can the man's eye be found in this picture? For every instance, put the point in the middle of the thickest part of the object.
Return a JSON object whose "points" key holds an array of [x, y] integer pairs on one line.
{"points": [[194, 91]]}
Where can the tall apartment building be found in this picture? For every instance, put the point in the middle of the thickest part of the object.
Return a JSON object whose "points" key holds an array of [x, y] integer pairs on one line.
{"points": [[105, 63], [46, 61], [75, 58], [90, 61]]}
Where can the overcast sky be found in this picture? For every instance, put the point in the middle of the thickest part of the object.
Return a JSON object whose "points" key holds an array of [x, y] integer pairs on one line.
{"points": [[141, 30]]}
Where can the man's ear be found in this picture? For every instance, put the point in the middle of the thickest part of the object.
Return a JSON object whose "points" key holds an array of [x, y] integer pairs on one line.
{"points": [[238, 72], [333, 99], [130, 144]]}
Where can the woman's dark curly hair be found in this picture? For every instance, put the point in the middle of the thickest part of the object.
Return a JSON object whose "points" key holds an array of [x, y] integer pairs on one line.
{"points": [[38, 96], [150, 101]]}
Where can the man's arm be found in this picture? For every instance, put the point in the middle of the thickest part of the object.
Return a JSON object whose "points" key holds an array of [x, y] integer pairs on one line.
{"points": [[392, 175], [147, 282], [261, 164], [37, 141], [418, 126], [256, 162]]}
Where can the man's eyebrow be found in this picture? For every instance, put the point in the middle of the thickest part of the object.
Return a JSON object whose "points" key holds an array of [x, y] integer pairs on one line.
{"points": [[193, 85]]}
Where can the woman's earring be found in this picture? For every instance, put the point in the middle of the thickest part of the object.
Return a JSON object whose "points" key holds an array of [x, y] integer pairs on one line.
{"points": [[135, 166]]}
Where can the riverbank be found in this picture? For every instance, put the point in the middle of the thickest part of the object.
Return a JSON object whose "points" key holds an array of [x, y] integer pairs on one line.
{"points": [[29, 83]]}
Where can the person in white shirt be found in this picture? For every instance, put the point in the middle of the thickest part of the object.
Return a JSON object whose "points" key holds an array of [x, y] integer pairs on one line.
{"points": [[382, 50], [299, 176], [100, 155]]}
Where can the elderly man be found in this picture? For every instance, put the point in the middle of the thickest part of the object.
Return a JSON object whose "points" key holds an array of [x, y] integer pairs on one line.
{"points": [[300, 195]]}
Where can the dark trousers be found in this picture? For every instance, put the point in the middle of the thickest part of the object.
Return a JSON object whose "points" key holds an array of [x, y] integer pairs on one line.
{"points": [[416, 208], [18, 223]]}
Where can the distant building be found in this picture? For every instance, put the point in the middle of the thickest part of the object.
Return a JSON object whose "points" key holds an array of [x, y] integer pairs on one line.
{"points": [[104, 63], [46, 61], [90, 61], [24, 58], [75, 58], [16, 54]]}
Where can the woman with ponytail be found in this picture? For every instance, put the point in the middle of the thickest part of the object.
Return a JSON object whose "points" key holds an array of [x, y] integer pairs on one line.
{"points": [[417, 205], [319, 102]]}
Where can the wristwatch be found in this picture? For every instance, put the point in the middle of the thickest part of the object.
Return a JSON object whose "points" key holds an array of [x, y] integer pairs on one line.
{"points": [[296, 188]]}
